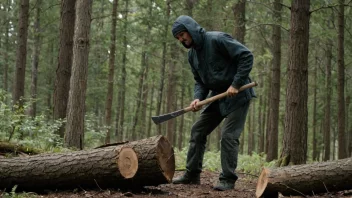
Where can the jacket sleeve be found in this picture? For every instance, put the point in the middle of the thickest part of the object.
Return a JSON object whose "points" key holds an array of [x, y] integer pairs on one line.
{"points": [[241, 57], [200, 91]]}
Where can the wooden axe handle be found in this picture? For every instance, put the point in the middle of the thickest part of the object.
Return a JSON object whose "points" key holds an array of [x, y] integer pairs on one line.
{"points": [[219, 96]]}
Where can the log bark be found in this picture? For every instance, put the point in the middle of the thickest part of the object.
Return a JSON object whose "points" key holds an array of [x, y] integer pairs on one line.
{"points": [[306, 179], [146, 162]]}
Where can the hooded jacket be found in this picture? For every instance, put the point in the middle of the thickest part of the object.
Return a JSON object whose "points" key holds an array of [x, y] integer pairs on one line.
{"points": [[217, 62]]}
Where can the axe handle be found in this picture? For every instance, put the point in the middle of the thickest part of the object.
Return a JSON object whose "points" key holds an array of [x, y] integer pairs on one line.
{"points": [[219, 96]]}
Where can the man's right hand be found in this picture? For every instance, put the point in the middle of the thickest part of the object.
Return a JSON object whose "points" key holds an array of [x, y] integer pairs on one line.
{"points": [[194, 105]]}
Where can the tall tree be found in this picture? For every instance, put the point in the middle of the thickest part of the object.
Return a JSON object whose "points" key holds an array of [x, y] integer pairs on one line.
{"points": [[23, 20], [327, 119], [239, 12], [6, 53], [63, 71], [274, 104], [342, 151], [110, 92], [163, 64], [294, 149], [123, 72], [314, 124], [74, 136], [171, 92], [32, 111]]}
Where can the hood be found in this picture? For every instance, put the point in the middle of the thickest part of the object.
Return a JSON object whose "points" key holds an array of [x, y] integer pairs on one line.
{"points": [[195, 30]]}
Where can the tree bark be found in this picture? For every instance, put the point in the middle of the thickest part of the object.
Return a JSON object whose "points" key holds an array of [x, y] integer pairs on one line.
{"points": [[171, 93], [239, 12], [342, 151], [74, 136], [306, 179], [32, 111], [122, 88], [314, 124], [110, 92], [163, 64], [146, 162], [6, 53], [63, 71], [327, 119], [272, 129], [294, 149], [21, 57]]}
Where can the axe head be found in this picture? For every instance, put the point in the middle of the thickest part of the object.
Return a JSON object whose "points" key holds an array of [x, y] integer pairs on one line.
{"points": [[162, 118]]}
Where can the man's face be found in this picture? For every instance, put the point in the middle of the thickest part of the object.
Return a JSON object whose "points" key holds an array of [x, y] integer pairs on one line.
{"points": [[185, 38]]}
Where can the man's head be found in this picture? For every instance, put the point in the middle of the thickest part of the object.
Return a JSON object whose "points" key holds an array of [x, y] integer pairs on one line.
{"points": [[188, 32], [185, 38], [181, 33]]}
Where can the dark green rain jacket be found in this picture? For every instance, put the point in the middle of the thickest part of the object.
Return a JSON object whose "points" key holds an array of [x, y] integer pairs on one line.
{"points": [[218, 61]]}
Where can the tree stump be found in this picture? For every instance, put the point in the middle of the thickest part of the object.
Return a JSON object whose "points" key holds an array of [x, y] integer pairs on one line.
{"points": [[146, 162], [307, 179]]}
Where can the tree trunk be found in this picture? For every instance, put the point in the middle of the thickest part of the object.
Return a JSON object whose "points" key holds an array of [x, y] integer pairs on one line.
{"points": [[163, 64], [122, 87], [239, 12], [306, 179], [327, 119], [74, 136], [171, 93], [294, 149], [64, 65], [349, 129], [342, 151], [146, 162], [110, 92], [314, 124], [21, 53], [6, 53], [250, 131], [32, 111], [272, 129]]}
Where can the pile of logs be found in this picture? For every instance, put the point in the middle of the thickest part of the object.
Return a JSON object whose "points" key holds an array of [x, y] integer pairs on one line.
{"points": [[147, 162]]}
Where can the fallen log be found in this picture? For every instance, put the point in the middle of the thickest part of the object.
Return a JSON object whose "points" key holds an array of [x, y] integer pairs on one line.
{"points": [[132, 165], [307, 179], [7, 148]]}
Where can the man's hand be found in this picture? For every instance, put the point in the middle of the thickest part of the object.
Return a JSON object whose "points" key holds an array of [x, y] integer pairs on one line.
{"points": [[194, 105], [231, 91]]}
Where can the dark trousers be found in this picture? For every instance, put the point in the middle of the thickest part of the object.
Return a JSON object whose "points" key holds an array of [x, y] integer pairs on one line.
{"points": [[230, 134]]}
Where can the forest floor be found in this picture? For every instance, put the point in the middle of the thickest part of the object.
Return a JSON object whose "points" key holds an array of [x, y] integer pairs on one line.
{"points": [[245, 188]]}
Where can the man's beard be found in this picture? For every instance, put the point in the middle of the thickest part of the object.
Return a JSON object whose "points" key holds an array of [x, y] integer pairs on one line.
{"points": [[187, 46]]}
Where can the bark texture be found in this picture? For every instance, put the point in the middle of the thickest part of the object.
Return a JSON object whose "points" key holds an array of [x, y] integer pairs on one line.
{"points": [[110, 92], [18, 90], [77, 96], [98, 168], [273, 122], [63, 71], [306, 179], [294, 149]]}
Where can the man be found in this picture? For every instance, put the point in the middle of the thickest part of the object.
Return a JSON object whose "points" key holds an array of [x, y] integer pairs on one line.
{"points": [[219, 63]]}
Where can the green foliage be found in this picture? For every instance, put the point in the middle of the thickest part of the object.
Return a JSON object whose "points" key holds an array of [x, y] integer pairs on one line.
{"points": [[247, 164], [13, 194]]}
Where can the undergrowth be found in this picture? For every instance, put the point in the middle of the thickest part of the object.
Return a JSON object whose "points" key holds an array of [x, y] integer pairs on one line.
{"points": [[248, 164]]}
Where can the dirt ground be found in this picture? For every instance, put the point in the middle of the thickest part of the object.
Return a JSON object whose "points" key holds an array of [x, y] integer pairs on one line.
{"points": [[245, 188]]}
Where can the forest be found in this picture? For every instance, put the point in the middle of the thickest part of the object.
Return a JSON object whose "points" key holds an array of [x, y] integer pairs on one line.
{"points": [[77, 74]]}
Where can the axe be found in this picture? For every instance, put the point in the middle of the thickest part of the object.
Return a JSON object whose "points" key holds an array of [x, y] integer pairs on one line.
{"points": [[162, 118]]}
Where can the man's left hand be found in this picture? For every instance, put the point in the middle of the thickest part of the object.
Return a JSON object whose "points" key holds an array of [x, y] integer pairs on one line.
{"points": [[231, 91]]}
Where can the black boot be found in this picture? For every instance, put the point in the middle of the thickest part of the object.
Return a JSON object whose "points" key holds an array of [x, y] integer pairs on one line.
{"points": [[187, 178], [223, 185]]}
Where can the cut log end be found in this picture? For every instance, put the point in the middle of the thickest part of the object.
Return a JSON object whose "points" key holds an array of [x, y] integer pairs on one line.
{"points": [[166, 158], [127, 162], [262, 182]]}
